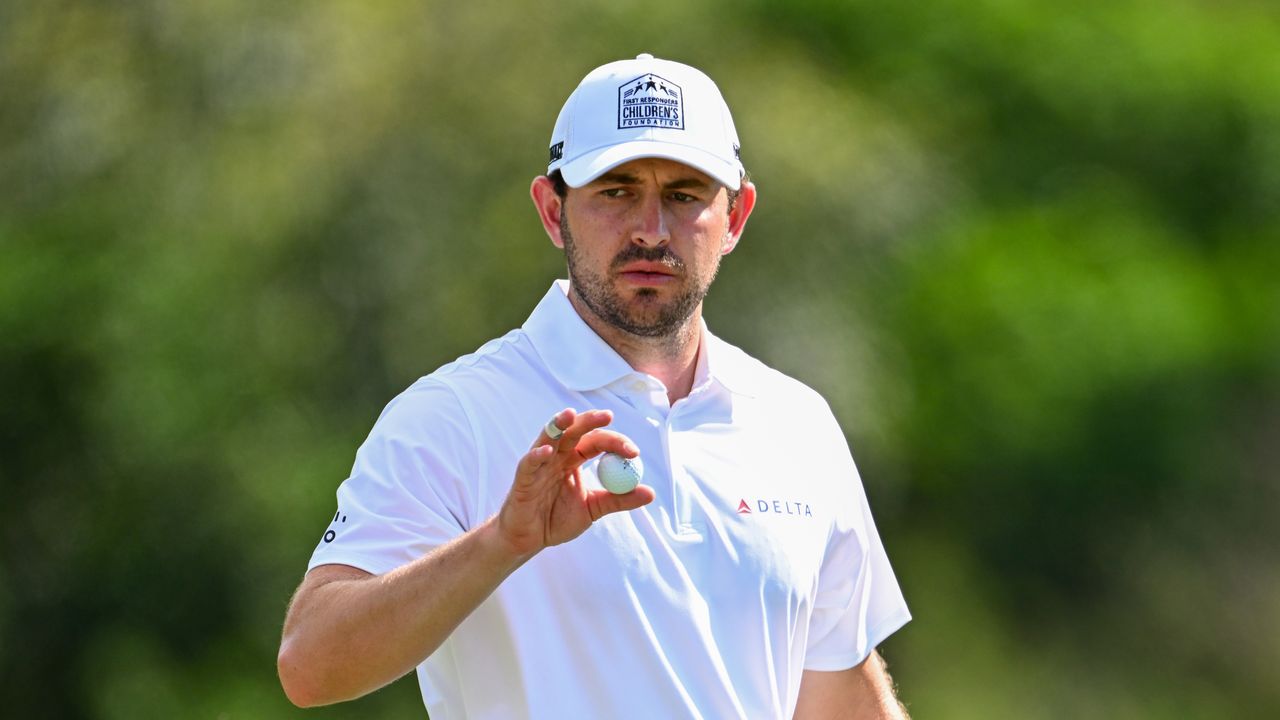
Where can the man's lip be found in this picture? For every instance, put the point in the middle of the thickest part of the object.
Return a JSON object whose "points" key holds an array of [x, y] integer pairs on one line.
{"points": [[646, 268], [646, 276]]}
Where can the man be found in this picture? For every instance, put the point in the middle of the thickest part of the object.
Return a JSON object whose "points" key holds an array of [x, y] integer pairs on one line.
{"points": [[743, 579]]}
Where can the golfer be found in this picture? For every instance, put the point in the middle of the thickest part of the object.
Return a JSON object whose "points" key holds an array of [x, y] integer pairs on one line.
{"points": [[473, 541]]}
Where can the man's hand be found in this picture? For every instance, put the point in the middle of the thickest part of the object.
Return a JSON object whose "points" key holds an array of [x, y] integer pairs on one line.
{"points": [[548, 503]]}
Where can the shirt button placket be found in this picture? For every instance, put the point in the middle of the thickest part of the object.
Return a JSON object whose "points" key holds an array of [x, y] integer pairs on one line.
{"points": [[650, 398], [682, 500]]}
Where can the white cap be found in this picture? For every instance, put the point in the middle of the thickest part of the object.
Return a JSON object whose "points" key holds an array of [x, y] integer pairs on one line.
{"points": [[645, 108]]}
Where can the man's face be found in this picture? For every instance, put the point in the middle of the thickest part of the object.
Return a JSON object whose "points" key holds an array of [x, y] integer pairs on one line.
{"points": [[643, 243]]}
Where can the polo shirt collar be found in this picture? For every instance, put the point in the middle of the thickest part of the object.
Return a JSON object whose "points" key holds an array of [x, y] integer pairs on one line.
{"points": [[731, 367], [581, 360]]}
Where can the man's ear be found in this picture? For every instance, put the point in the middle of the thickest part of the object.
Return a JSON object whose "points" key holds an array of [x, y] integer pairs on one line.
{"points": [[549, 206], [742, 207]]}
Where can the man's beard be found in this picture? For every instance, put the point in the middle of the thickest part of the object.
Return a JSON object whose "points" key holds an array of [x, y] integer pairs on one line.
{"points": [[600, 296]]}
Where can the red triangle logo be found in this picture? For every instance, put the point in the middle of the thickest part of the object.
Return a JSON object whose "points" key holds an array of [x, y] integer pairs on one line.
{"points": [[743, 508]]}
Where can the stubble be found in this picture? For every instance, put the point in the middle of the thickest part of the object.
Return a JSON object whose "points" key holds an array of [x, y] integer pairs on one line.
{"points": [[646, 315]]}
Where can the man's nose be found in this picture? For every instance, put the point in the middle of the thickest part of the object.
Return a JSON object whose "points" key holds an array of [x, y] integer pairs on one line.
{"points": [[650, 227]]}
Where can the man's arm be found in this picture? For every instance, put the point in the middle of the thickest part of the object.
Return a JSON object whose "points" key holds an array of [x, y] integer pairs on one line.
{"points": [[348, 633], [863, 692]]}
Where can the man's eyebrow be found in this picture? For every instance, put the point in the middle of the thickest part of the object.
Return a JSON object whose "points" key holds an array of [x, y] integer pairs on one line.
{"points": [[616, 178], [687, 183], [622, 178]]}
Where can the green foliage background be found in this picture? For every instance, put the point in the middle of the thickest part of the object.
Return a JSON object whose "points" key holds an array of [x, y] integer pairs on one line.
{"points": [[1028, 251]]}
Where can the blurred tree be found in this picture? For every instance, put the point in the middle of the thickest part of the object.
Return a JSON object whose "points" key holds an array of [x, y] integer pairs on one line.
{"points": [[1028, 252]]}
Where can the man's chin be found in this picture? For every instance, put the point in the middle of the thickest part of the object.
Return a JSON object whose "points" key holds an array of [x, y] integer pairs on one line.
{"points": [[652, 322], [646, 293], [641, 311]]}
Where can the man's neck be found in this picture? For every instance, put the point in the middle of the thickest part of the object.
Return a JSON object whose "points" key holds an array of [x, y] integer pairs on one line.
{"points": [[672, 359]]}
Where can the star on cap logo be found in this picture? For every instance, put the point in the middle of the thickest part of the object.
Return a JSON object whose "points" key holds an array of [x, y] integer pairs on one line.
{"points": [[650, 101]]}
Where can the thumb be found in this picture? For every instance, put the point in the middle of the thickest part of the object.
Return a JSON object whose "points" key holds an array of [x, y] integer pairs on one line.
{"points": [[603, 502]]}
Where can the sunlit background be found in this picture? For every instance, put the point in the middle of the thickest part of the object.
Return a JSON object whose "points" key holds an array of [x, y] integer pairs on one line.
{"points": [[1029, 252]]}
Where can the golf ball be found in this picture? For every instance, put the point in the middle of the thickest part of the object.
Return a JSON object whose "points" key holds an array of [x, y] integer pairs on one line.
{"points": [[619, 475]]}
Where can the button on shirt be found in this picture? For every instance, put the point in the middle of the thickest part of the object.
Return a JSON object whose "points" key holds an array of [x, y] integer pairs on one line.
{"points": [[757, 560]]}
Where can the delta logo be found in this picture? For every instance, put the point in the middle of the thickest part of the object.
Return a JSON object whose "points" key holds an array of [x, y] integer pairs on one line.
{"points": [[760, 506]]}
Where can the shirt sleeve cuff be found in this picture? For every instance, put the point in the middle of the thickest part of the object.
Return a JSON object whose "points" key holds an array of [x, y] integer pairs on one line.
{"points": [[844, 661], [371, 565]]}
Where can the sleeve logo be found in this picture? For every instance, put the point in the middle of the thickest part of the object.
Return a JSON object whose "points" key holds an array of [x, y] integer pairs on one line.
{"points": [[330, 534]]}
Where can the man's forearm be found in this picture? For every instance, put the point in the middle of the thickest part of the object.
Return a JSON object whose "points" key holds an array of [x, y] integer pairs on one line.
{"points": [[863, 692], [348, 633]]}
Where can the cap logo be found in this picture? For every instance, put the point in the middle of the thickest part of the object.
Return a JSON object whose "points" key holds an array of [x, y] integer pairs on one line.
{"points": [[557, 151], [650, 101]]}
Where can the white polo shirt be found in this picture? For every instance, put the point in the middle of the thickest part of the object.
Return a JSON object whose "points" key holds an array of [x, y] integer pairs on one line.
{"points": [[758, 559]]}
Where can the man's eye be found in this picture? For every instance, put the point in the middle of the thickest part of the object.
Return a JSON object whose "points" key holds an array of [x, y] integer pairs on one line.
{"points": [[682, 197], [613, 192]]}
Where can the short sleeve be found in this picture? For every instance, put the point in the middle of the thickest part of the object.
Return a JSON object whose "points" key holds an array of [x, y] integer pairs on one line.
{"points": [[412, 487], [858, 603]]}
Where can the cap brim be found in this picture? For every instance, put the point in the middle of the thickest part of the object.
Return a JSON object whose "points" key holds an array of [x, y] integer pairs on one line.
{"points": [[591, 165]]}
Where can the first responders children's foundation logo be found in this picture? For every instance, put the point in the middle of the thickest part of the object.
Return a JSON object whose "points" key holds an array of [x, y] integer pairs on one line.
{"points": [[650, 101]]}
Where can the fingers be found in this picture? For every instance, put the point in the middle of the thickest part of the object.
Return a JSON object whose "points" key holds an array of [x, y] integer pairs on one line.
{"points": [[581, 438], [555, 427], [581, 424], [603, 502], [565, 427], [533, 461], [597, 442]]}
